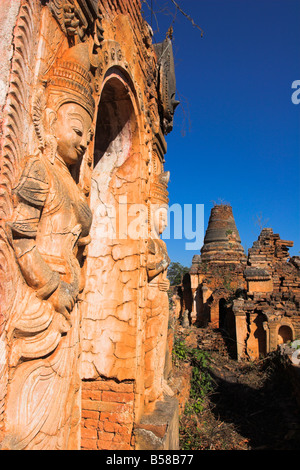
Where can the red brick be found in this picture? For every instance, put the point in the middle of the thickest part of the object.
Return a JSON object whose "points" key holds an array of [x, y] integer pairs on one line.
{"points": [[90, 414], [91, 395], [108, 426], [105, 406], [119, 429], [122, 438], [89, 444], [120, 418], [105, 436], [103, 445], [118, 397], [119, 446], [92, 385], [91, 423], [88, 433], [111, 385], [112, 417]]}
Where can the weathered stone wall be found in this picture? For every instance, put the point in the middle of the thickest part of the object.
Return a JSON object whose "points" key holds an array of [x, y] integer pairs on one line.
{"points": [[84, 289], [113, 306]]}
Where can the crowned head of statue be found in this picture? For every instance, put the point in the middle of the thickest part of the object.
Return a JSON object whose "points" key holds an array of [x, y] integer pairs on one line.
{"points": [[64, 107]]}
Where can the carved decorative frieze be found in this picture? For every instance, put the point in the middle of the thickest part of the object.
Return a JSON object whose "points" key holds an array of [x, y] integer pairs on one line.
{"points": [[78, 19], [14, 142]]}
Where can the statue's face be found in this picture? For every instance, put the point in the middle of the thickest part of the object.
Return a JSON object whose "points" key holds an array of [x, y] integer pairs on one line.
{"points": [[161, 219], [72, 130]]}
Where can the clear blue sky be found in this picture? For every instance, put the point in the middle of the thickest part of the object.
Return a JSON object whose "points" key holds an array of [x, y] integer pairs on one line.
{"points": [[236, 134]]}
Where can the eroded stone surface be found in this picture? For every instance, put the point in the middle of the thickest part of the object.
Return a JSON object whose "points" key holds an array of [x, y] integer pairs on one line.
{"points": [[84, 322]]}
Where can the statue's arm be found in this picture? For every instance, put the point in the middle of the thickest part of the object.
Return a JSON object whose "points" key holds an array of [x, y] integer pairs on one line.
{"points": [[35, 270], [31, 194], [157, 263]]}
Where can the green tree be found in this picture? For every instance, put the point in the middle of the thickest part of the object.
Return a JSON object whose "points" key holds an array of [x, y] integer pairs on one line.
{"points": [[176, 272]]}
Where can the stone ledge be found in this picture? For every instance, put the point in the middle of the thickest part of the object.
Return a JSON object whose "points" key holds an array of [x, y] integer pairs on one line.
{"points": [[160, 429]]}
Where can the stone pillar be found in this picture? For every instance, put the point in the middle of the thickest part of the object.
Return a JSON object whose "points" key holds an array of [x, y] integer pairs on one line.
{"points": [[214, 313], [194, 286], [240, 327], [267, 330], [241, 333], [273, 340], [77, 124]]}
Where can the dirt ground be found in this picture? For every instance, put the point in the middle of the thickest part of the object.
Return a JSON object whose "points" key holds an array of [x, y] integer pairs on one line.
{"points": [[251, 406]]}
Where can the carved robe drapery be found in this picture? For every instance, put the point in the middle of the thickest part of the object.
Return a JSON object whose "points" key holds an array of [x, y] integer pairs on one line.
{"points": [[157, 309], [157, 305]]}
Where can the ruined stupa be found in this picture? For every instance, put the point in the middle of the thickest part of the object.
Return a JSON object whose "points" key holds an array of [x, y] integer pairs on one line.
{"points": [[222, 243], [218, 271]]}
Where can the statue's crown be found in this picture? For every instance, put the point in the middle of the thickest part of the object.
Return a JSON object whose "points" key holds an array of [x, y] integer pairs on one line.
{"points": [[69, 80], [158, 190]]}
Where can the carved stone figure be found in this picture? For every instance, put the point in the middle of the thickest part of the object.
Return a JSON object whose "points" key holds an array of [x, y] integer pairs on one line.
{"points": [[49, 232], [157, 301]]}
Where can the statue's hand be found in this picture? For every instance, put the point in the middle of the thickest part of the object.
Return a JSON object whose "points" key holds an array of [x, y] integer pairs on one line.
{"points": [[63, 299], [164, 285]]}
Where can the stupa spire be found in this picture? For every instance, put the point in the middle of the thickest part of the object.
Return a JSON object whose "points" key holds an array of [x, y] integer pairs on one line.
{"points": [[222, 241]]}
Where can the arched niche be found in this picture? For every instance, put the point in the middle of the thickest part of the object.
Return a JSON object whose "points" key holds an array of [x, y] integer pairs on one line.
{"points": [[116, 123], [285, 334], [116, 169], [112, 292]]}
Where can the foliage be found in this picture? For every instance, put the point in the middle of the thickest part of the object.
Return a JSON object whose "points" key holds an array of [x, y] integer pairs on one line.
{"points": [[176, 272], [180, 350], [201, 383], [192, 438], [201, 387]]}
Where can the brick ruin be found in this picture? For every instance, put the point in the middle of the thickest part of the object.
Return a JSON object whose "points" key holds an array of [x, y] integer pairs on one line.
{"points": [[254, 298], [86, 103], [271, 306]]}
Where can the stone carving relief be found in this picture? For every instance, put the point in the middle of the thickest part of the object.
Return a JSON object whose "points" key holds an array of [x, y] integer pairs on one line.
{"points": [[62, 70], [14, 141], [157, 305], [48, 232], [78, 19]]}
